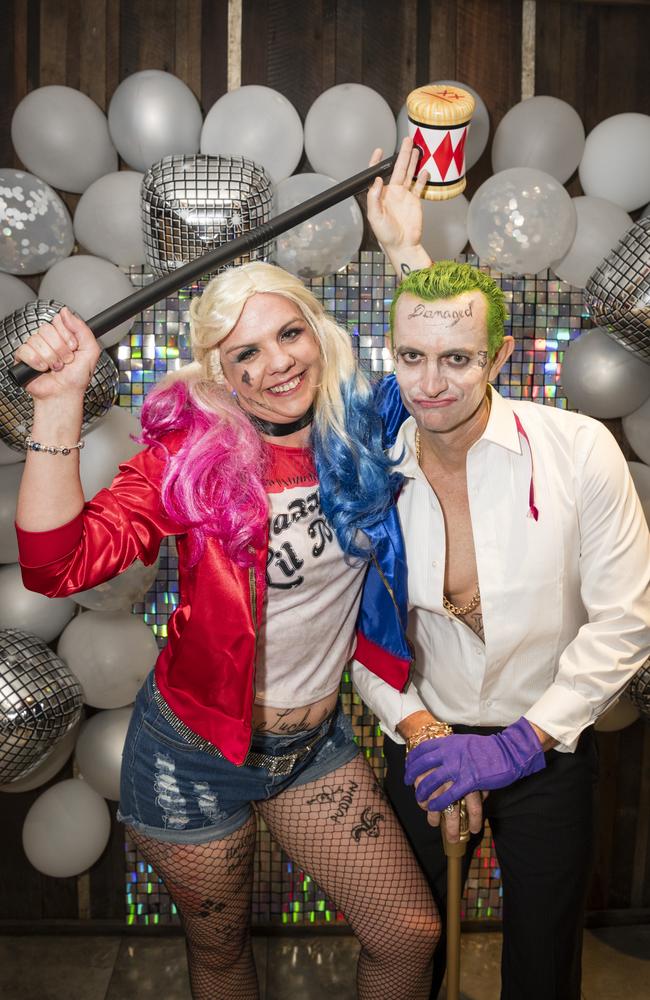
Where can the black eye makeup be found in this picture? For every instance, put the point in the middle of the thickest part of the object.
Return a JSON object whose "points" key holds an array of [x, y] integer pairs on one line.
{"points": [[408, 357], [245, 355], [456, 359]]}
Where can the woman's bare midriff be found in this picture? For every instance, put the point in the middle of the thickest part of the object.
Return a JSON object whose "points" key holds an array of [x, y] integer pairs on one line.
{"points": [[288, 721]]}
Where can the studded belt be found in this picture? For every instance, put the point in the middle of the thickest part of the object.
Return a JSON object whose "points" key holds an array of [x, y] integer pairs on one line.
{"points": [[276, 764]]}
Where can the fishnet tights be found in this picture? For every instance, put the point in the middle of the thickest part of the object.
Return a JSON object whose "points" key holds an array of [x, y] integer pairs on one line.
{"points": [[340, 830]]}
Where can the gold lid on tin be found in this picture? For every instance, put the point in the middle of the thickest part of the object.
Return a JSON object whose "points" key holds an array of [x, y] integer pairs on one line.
{"points": [[439, 116]]}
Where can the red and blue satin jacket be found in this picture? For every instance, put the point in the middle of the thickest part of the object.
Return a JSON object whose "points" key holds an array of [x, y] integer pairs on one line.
{"points": [[206, 671]]}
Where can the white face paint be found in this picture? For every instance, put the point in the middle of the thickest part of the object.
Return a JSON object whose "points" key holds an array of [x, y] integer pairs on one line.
{"points": [[441, 357], [272, 360]]}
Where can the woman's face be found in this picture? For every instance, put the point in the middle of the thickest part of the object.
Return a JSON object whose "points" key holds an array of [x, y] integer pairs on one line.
{"points": [[272, 360]]}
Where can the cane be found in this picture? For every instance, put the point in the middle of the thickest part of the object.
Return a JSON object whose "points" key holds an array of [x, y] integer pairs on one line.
{"points": [[454, 853], [439, 117], [22, 374]]}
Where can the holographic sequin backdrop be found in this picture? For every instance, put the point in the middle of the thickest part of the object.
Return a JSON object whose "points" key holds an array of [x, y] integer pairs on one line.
{"points": [[545, 314]]}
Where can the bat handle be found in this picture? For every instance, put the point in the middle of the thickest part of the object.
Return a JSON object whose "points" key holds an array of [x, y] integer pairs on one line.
{"points": [[21, 374]]}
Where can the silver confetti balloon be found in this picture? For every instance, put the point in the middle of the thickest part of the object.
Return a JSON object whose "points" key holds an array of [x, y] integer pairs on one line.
{"points": [[35, 224], [40, 700], [192, 204], [16, 404], [617, 294], [638, 690]]}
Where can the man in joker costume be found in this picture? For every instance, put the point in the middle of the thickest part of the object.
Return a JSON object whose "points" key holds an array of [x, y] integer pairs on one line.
{"points": [[527, 606]]}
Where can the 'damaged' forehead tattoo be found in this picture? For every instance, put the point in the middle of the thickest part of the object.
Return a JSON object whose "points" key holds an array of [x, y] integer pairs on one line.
{"points": [[446, 318]]}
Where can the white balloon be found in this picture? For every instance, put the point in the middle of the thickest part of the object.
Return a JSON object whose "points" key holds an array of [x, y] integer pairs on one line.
{"points": [[10, 476], [616, 161], [599, 227], [343, 127], [444, 227], [110, 653], [402, 126], [107, 443], [620, 715], [99, 750], [256, 122], [603, 379], [122, 591], [20, 608], [641, 478], [107, 219], [636, 426], [521, 220], [35, 224], [14, 294], [88, 285], [62, 135], [325, 242], [153, 114], [66, 829], [541, 132], [49, 767]]}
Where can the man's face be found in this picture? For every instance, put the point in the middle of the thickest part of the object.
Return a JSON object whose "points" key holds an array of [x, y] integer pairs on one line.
{"points": [[441, 358]]}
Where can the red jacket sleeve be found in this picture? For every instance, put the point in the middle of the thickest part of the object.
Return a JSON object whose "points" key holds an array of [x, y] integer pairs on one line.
{"points": [[119, 525]]}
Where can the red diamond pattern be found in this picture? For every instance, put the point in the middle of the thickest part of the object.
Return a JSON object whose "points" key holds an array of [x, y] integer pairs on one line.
{"points": [[459, 152], [443, 155], [418, 140]]}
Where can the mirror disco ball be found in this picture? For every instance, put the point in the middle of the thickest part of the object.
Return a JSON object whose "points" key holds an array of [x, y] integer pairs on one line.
{"points": [[40, 700], [638, 690], [16, 405], [192, 204], [617, 294]]}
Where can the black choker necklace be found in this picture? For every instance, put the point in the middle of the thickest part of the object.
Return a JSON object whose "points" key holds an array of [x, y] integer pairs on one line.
{"points": [[282, 430]]}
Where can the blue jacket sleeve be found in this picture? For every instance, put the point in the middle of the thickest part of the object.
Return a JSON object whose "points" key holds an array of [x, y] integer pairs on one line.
{"points": [[390, 407]]}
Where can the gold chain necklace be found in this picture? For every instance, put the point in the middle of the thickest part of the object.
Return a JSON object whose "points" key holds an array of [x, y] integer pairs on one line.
{"points": [[446, 603], [466, 608]]}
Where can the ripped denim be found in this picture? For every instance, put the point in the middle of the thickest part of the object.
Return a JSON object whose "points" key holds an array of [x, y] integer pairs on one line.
{"points": [[172, 791]]}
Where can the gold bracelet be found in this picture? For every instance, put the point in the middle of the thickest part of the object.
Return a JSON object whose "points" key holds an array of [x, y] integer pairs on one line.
{"points": [[429, 731]]}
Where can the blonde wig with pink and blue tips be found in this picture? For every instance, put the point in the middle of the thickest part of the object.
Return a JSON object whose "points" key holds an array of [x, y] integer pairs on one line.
{"points": [[213, 482]]}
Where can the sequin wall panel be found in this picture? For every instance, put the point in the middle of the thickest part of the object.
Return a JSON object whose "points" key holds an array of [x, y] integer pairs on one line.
{"points": [[545, 314]]}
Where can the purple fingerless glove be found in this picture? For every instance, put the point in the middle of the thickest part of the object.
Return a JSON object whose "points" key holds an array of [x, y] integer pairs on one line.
{"points": [[473, 763]]}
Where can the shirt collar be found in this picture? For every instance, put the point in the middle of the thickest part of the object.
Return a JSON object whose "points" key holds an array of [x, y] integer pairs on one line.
{"points": [[501, 426], [501, 430]]}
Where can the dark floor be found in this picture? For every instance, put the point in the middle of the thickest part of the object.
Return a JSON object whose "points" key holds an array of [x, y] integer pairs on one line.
{"points": [[616, 966]]}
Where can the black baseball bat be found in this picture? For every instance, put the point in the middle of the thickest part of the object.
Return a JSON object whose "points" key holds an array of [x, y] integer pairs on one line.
{"points": [[144, 297]]}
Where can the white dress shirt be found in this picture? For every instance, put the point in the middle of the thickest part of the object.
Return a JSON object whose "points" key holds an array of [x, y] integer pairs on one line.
{"points": [[565, 599]]}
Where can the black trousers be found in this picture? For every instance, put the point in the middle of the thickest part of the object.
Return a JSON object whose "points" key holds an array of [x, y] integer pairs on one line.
{"points": [[543, 829]]}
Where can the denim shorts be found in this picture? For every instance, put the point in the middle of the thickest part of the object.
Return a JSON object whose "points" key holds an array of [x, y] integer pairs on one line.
{"points": [[172, 791]]}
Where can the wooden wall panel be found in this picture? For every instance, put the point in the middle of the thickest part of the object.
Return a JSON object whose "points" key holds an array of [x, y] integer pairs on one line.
{"points": [[97, 50], [213, 55], [489, 60], [147, 36], [288, 45], [594, 56], [440, 35]]}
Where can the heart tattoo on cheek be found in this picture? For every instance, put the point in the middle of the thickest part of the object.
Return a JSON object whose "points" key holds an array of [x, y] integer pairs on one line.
{"points": [[246, 379]]}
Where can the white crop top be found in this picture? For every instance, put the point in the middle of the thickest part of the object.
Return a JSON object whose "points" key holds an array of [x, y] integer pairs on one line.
{"points": [[313, 592]]}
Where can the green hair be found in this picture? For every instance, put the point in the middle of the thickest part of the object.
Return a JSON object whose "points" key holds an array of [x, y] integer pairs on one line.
{"points": [[445, 280]]}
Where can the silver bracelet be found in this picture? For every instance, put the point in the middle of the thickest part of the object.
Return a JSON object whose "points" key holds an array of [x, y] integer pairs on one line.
{"points": [[52, 449]]}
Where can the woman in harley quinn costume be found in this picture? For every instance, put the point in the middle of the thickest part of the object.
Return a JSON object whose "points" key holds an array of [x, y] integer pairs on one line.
{"points": [[263, 458]]}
